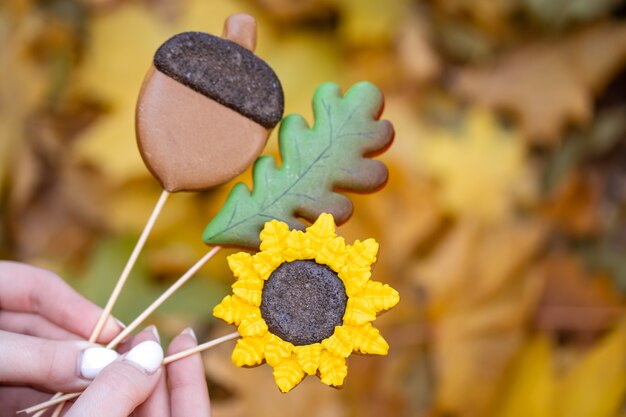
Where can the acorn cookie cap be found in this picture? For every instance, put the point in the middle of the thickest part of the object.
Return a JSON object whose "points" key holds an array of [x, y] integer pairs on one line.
{"points": [[206, 107], [225, 72]]}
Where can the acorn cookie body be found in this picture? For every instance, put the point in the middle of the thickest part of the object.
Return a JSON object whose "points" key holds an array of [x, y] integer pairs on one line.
{"points": [[206, 107]]}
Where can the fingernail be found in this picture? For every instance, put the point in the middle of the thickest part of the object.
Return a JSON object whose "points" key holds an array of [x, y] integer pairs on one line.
{"points": [[122, 325], [189, 331], [147, 355], [94, 360], [155, 332]]}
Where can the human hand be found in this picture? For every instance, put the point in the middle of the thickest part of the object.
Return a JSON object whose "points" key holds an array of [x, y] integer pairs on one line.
{"points": [[52, 320], [42, 323]]}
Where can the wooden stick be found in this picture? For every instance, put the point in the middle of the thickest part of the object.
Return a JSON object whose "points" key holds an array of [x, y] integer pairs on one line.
{"points": [[200, 348], [171, 290], [121, 281], [59, 407], [129, 266], [167, 360], [57, 411]]}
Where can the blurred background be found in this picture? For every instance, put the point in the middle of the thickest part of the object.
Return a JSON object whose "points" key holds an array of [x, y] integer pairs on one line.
{"points": [[503, 224]]}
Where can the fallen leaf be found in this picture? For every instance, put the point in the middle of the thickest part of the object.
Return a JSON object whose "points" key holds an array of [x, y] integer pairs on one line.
{"points": [[595, 384], [558, 13], [574, 301], [22, 82], [549, 85], [418, 57], [481, 288], [371, 23], [530, 385], [479, 167]]}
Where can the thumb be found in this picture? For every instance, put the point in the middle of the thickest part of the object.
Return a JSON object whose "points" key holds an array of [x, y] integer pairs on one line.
{"points": [[123, 385], [50, 364]]}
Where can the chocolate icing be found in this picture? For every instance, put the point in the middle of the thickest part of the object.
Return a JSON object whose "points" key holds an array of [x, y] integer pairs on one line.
{"points": [[225, 72], [303, 301]]}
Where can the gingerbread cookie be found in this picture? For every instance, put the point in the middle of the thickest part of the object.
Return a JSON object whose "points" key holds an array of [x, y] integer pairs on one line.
{"points": [[207, 107]]}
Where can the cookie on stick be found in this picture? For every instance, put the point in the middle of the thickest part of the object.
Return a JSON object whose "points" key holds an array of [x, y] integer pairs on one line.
{"points": [[204, 113]]}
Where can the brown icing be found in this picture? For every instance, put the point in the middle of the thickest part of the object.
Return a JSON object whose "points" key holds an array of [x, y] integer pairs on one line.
{"points": [[190, 142]]}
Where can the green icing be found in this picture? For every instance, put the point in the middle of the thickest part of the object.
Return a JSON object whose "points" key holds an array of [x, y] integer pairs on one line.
{"points": [[316, 162]]}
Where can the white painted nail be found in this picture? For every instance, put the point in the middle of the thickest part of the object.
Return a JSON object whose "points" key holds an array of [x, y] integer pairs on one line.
{"points": [[155, 332], [147, 355], [191, 333], [94, 360]]}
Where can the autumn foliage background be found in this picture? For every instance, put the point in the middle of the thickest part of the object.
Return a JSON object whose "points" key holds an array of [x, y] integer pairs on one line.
{"points": [[502, 225]]}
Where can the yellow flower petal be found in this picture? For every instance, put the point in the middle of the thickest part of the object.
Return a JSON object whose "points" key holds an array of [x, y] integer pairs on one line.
{"points": [[340, 343], [253, 325], [241, 265], [363, 253], [233, 309], [298, 246], [250, 290], [265, 263], [333, 254], [380, 296], [288, 374], [309, 357], [333, 369], [248, 351], [355, 278], [276, 349], [367, 339], [321, 231], [273, 236], [358, 312]]}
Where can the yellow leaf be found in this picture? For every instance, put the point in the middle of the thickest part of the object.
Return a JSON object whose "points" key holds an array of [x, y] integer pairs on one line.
{"points": [[480, 167], [530, 386], [372, 22], [596, 386]]}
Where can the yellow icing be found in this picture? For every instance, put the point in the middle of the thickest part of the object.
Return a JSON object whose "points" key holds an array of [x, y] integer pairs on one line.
{"points": [[352, 263], [333, 369]]}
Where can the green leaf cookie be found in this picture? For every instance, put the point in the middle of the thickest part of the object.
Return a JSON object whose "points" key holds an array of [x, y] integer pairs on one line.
{"points": [[317, 162]]}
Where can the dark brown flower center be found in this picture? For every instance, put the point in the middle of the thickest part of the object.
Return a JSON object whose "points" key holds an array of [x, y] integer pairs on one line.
{"points": [[303, 301]]}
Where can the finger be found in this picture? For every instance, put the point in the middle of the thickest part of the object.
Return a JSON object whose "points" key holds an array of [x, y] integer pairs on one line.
{"points": [[123, 385], [33, 325], [51, 364], [27, 289], [158, 403], [13, 399], [189, 395]]}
